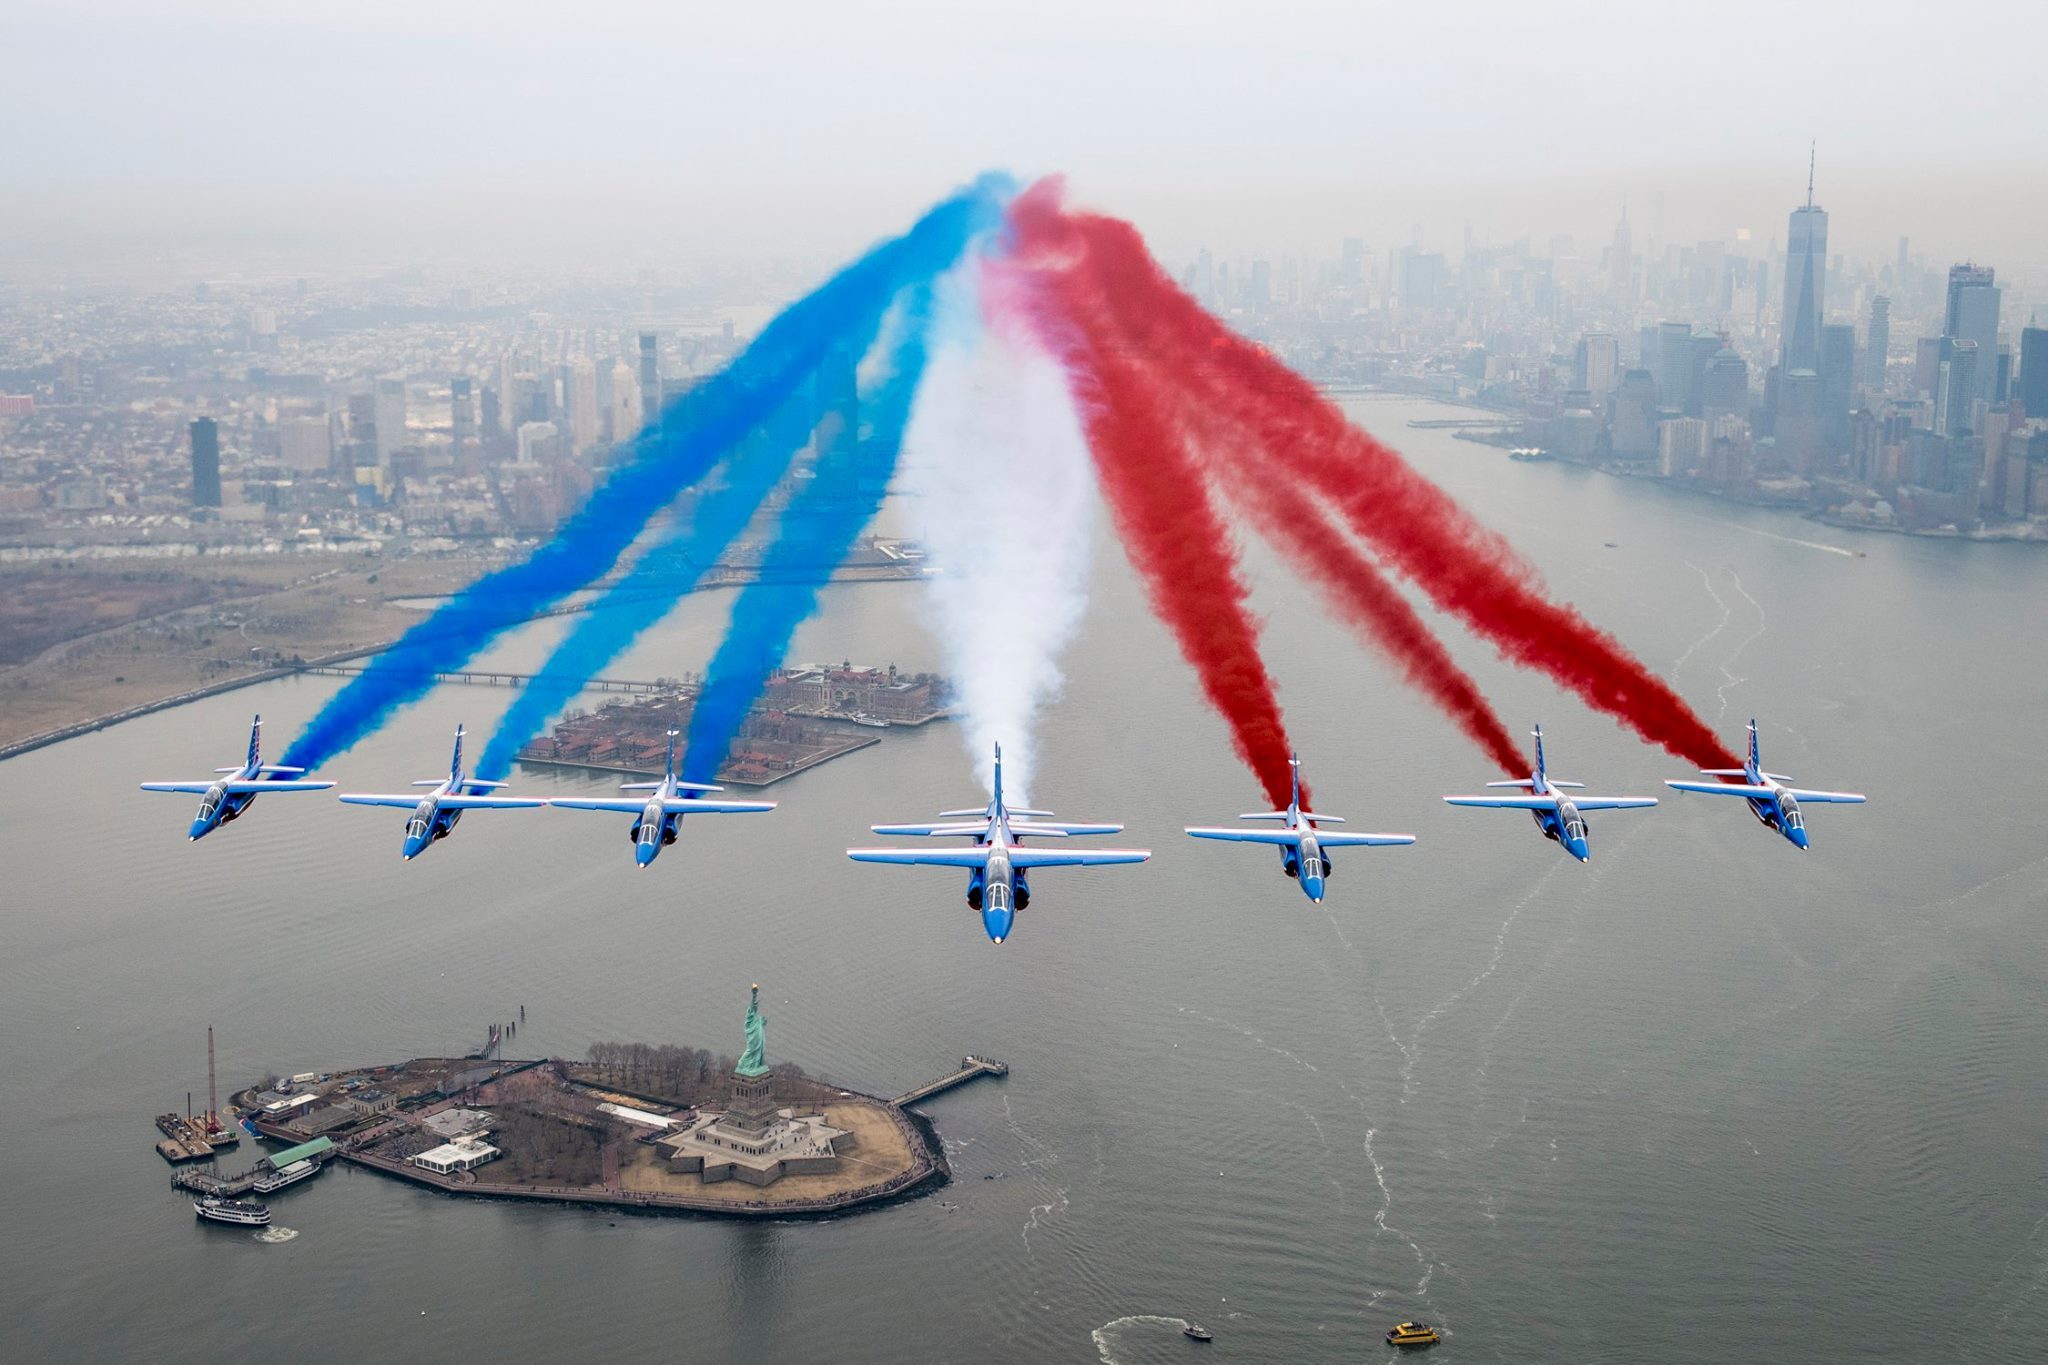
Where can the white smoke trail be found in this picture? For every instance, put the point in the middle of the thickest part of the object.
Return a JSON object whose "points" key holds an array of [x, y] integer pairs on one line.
{"points": [[996, 451]]}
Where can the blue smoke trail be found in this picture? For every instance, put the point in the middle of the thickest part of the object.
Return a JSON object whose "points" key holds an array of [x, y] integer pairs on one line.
{"points": [[649, 590], [694, 434], [851, 479]]}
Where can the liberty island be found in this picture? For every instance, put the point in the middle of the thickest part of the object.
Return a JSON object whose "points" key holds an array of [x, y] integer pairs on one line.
{"points": [[612, 1131]]}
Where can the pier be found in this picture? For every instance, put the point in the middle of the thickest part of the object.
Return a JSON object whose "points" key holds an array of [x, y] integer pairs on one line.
{"points": [[487, 678], [970, 1067]]}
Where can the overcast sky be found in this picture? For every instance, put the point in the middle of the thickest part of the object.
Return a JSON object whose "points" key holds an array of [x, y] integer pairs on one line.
{"points": [[806, 126]]}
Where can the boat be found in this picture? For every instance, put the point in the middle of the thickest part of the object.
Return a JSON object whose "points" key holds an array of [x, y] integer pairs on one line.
{"points": [[243, 1212], [1413, 1334], [270, 1182], [872, 722], [1194, 1333]]}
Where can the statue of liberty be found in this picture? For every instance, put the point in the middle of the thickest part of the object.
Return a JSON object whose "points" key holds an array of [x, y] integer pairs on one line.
{"points": [[755, 1061]]}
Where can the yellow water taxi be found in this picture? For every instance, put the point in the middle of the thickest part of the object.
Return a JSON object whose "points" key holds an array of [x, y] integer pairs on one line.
{"points": [[1413, 1334]]}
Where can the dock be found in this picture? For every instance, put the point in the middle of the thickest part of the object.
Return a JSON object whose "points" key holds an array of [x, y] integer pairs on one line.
{"points": [[970, 1067]]}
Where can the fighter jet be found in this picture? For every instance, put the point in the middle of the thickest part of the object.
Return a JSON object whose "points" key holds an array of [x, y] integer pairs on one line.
{"points": [[1304, 849], [232, 790], [659, 814], [1560, 817], [997, 860], [434, 815], [1774, 804]]}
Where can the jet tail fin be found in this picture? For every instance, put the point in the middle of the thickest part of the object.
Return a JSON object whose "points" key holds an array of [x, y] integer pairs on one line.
{"points": [[256, 744], [455, 763]]}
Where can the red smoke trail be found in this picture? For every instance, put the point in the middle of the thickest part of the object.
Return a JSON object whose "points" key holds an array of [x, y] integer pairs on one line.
{"points": [[1375, 608], [1171, 530], [1419, 529]]}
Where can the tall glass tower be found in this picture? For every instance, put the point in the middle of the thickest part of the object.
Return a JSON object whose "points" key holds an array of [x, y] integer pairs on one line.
{"points": [[1806, 264]]}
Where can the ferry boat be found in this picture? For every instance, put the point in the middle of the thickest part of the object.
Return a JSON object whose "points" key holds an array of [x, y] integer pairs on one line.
{"points": [[244, 1212], [1413, 1334], [270, 1182]]}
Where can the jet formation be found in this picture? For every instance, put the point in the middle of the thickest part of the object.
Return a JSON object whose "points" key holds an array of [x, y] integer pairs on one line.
{"points": [[1304, 849], [996, 858]]}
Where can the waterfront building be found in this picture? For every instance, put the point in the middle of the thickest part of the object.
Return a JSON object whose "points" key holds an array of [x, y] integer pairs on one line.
{"points": [[1972, 315], [205, 435], [1671, 363], [1798, 429], [1596, 367], [450, 1157], [1681, 446], [1632, 426], [1724, 386]]}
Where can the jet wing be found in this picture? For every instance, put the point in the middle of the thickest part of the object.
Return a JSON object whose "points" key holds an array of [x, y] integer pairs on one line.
{"points": [[928, 857], [247, 785], [1613, 802], [1044, 830], [1828, 798], [1723, 789], [977, 829], [1290, 837], [1332, 840], [623, 807], [680, 805], [1024, 858], [1506, 802], [489, 802], [372, 799]]}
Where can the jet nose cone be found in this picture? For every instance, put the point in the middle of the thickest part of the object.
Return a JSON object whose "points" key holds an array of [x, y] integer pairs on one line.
{"points": [[1798, 837], [1579, 850], [199, 828], [997, 922], [412, 849], [643, 854]]}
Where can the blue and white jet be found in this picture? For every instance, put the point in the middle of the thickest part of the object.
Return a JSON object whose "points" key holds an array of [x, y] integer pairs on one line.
{"points": [[232, 790], [658, 816], [434, 814], [1775, 805], [1559, 816], [1304, 849], [997, 861]]}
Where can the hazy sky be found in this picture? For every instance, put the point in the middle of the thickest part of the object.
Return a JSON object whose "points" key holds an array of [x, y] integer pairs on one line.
{"points": [[810, 126]]}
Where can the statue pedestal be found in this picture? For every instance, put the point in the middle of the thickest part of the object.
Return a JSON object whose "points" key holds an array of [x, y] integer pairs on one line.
{"points": [[752, 1110]]}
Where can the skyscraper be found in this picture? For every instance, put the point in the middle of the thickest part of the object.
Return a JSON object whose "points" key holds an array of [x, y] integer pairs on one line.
{"points": [[1973, 316], [1598, 364], [1877, 342], [1837, 383], [390, 416], [1806, 262], [2033, 385], [461, 413], [205, 463], [650, 379], [581, 398], [1672, 364], [1955, 391], [625, 406]]}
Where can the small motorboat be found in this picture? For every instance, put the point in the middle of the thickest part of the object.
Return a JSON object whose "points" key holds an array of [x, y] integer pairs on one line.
{"points": [[1194, 1333], [1413, 1334]]}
